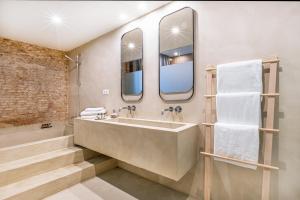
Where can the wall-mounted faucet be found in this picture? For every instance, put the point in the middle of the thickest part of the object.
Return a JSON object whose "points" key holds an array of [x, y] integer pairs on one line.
{"points": [[124, 108], [170, 109], [131, 109]]}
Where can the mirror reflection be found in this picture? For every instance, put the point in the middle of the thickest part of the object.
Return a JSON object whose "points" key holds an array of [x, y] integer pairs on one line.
{"points": [[132, 65], [177, 55]]}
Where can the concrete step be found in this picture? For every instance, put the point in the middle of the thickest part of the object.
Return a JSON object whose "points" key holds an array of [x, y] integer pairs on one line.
{"points": [[46, 184], [8, 154], [89, 154], [103, 163], [13, 171], [43, 185], [94, 189]]}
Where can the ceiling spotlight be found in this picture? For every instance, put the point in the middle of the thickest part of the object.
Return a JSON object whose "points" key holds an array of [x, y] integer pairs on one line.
{"points": [[131, 45], [56, 20], [123, 17], [175, 54], [175, 30]]}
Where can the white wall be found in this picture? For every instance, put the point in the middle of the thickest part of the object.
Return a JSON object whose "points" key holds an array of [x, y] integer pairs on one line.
{"points": [[225, 32]]}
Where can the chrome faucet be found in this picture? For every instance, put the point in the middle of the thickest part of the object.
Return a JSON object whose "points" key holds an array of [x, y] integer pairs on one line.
{"points": [[170, 109], [129, 108], [125, 107]]}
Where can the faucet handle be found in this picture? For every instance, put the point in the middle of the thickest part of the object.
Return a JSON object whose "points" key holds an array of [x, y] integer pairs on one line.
{"points": [[178, 109], [133, 107]]}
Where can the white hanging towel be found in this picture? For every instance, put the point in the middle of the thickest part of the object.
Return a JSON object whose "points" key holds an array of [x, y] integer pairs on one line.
{"points": [[236, 133], [243, 76], [241, 108], [237, 141]]}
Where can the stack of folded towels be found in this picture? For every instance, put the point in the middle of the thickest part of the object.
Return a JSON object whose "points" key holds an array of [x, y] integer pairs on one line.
{"points": [[92, 113], [238, 102]]}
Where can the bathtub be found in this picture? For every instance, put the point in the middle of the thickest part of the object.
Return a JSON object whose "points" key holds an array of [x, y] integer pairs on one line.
{"points": [[29, 133]]}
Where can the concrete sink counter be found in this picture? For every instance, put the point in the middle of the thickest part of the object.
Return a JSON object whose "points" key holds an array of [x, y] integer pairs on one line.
{"points": [[165, 148]]}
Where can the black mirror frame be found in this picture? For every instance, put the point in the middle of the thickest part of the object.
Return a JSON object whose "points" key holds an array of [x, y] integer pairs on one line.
{"points": [[142, 93], [193, 88]]}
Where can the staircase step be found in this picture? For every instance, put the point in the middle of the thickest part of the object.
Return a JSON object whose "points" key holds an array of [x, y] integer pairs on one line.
{"points": [[99, 165], [8, 154], [43, 185], [89, 154], [13, 171], [103, 163]]}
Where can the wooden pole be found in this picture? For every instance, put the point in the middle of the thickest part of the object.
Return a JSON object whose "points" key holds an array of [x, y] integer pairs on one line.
{"points": [[208, 140], [240, 161], [268, 137], [260, 129]]}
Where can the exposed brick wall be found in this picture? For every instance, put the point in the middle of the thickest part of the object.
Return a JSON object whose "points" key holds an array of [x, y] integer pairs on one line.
{"points": [[33, 84]]}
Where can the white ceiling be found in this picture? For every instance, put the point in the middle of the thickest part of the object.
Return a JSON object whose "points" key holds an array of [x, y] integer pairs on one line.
{"points": [[82, 21]]}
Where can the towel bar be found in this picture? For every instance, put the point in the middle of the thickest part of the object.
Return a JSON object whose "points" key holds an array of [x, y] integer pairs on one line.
{"points": [[240, 161], [261, 129], [264, 95], [212, 68], [270, 67]]}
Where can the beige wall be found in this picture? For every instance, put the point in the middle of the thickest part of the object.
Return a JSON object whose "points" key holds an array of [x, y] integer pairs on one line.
{"points": [[225, 32]]}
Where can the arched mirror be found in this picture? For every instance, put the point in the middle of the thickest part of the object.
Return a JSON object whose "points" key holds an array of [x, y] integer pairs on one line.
{"points": [[176, 55], [132, 65]]}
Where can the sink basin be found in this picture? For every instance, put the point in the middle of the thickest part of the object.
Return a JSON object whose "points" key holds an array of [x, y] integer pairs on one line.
{"points": [[150, 123], [165, 148]]}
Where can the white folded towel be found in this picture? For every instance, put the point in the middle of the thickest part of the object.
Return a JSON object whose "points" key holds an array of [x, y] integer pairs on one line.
{"points": [[243, 76], [89, 117], [241, 108], [94, 109], [237, 141], [90, 113]]}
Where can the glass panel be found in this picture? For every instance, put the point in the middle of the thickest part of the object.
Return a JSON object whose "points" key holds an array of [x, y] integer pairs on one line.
{"points": [[177, 55], [132, 65]]}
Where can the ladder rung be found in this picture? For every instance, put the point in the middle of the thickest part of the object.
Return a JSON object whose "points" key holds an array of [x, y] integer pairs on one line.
{"points": [[240, 161], [213, 68], [264, 94], [261, 129]]}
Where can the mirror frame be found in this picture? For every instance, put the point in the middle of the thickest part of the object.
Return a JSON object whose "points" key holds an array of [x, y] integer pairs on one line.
{"points": [[142, 93], [193, 88]]}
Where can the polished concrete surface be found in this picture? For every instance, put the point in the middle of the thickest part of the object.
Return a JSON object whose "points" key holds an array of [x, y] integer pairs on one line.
{"points": [[118, 184], [165, 148]]}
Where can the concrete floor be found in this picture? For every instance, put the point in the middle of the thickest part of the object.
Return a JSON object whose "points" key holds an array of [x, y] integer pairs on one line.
{"points": [[118, 184]]}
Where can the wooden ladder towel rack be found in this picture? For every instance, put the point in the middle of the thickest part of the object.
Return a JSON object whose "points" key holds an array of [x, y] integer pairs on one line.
{"points": [[271, 67]]}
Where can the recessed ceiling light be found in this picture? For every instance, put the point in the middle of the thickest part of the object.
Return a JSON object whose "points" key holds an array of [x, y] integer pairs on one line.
{"points": [[175, 53], [175, 30], [55, 19], [142, 6], [131, 45], [123, 17]]}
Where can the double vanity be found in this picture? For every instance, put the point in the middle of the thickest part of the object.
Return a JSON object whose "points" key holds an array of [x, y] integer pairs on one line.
{"points": [[165, 148]]}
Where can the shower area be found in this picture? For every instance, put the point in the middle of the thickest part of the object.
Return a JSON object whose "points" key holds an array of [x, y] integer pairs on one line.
{"points": [[74, 73], [35, 93]]}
